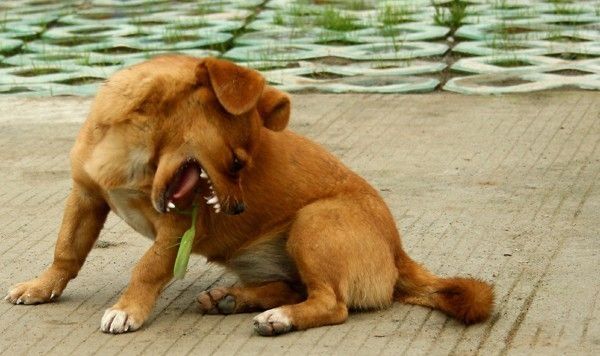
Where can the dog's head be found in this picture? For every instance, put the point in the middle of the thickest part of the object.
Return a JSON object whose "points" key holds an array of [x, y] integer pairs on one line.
{"points": [[207, 135]]}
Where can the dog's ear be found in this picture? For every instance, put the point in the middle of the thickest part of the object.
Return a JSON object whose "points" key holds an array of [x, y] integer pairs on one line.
{"points": [[274, 108], [237, 88]]}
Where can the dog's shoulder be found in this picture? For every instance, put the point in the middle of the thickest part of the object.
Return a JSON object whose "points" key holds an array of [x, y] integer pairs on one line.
{"points": [[115, 144]]}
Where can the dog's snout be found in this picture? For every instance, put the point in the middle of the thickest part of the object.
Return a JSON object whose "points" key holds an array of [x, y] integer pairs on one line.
{"points": [[238, 208]]}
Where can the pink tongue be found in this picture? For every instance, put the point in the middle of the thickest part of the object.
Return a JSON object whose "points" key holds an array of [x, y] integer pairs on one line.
{"points": [[189, 179]]}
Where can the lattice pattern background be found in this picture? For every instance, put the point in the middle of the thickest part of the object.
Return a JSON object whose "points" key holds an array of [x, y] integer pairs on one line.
{"points": [[51, 47]]}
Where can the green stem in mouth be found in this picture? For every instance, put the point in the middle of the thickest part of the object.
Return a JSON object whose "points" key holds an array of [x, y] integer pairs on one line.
{"points": [[184, 212], [185, 248]]}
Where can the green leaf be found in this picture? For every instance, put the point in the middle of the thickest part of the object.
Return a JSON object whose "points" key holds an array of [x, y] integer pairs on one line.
{"points": [[185, 248]]}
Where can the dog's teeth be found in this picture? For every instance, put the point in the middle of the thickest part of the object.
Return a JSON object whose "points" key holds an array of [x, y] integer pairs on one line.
{"points": [[171, 205], [213, 200], [203, 174]]}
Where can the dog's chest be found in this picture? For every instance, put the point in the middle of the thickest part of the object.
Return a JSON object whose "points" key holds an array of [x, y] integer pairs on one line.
{"points": [[121, 168], [126, 203]]}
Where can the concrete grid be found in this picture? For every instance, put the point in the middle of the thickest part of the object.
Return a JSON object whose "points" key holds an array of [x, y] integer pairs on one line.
{"points": [[68, 47], [501, 188]]}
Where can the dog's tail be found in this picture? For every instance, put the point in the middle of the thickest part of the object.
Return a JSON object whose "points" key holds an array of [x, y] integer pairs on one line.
{"points": [[466, 299]]}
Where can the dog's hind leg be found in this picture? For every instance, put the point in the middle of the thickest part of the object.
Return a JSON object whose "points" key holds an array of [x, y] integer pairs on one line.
{"points": [[342, 261], [326, 302], [321, 308], [229, 300], [83, 219]]}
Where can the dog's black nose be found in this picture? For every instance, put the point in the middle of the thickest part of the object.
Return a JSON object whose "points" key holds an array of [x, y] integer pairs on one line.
{"points": [[238, 208]]}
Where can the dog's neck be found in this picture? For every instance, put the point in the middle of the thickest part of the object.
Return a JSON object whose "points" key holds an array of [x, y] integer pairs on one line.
{"points": [[285, 176]]}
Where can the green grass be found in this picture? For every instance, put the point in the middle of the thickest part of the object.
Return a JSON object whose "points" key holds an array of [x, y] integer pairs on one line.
{"points": [[4, 21], [298, 15], [101, 15], [86, 31], [16, 90], [87, 60], [559, 1], [118, 50], [357, 5], [563, 38], [450, 14], [332, 19], [189, 25], [174, 35], [273, 53], [505, 5], [389, 31], [278, 18], [390, 15], [299, 10], [37, 71], [334, 39], [505, 31], [75, 40], [505, 45], [57, 56], [520, 14], [201, 10], [567, 9], [503, 39], [571, 56], [81, 80], [510, 63]]}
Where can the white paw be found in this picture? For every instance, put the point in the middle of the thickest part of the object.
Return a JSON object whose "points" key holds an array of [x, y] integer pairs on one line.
{"points": [[117, 321], [272, 322]]}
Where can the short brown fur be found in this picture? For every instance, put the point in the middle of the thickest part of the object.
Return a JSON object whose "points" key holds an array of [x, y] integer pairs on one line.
{"points": [[313, 241]]}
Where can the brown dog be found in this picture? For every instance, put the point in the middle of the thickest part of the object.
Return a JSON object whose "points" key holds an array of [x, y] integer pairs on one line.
{"points": [[307, 237]]}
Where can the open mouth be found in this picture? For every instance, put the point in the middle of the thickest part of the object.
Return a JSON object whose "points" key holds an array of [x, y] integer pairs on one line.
{"points": [[186, 183]]}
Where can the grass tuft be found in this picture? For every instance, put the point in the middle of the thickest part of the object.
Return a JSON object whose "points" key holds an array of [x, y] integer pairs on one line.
{"points": [[390, 14], [510, 63], [37, 71], [450, 14], [332, 19]]}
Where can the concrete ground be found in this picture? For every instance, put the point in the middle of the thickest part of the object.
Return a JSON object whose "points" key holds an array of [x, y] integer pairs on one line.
{"points": [[501, 188]]}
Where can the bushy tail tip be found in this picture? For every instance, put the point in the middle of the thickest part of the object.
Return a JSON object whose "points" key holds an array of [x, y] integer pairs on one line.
{"points": [[466, 299]]}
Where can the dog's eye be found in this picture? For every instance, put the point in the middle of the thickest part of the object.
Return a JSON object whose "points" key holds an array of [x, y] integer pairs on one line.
{"points": [[236, 165]]}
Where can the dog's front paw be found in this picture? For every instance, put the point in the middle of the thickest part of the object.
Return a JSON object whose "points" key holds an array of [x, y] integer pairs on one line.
{"points": [[272, 322], [35, 291], [216, 301], [117, 321]]}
